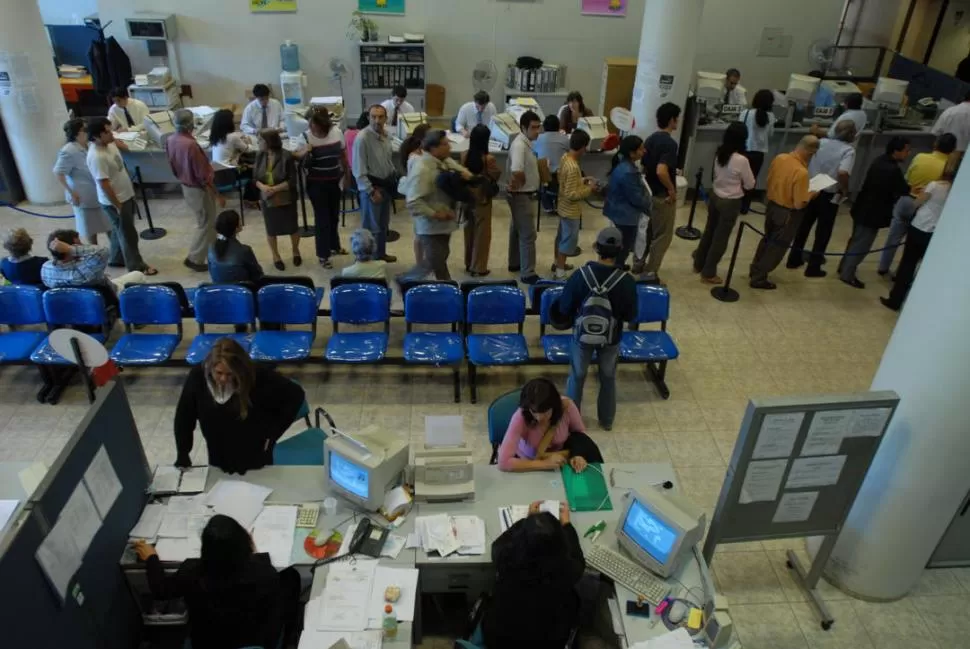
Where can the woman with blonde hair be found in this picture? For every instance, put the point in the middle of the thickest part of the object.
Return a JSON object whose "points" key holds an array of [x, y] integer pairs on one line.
{"points": [[275, 175], [241, 407], [80, 191]]}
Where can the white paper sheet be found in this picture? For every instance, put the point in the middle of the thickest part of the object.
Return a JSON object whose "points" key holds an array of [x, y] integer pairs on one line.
{"points": [[393, 546], [102, 482], [30, 478], [470, 531], [404, 578], [59, 557], [794, 507], [511, 514], [181, 526], [149, 522], [826, 432], [345, 596], [762, 480], [186, 504], [193, 480], [777, 436], [679, 639], [820, 182], [127, 136], [550, 507], [273, 533], [396, 500], [165, 480], [7, 508], [815, 472], [869, 422], [80, 515], [444, 430], [311, 639], [414, 541], [240, 500], [178, 550]]}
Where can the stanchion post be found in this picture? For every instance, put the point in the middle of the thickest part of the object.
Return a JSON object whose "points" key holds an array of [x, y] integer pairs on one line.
{"points": [[688, 231], [306, 230], [152, 232], [725, 293]]}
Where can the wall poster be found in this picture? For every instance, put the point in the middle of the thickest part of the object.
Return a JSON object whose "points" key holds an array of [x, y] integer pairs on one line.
{"points": [[604, 7], [393, 7], [272, 6]]}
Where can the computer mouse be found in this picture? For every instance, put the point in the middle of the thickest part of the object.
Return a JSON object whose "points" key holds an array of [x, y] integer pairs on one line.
{"points": [[677, 612]]}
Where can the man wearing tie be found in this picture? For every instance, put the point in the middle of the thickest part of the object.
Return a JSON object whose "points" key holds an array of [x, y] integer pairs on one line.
{"points": [[262, 112], [396, 105], [126, 114], [734, 94], [479, 111]]}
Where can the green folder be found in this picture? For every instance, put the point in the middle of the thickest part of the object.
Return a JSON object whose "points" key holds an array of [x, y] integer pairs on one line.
{"points": [[586, 491]]}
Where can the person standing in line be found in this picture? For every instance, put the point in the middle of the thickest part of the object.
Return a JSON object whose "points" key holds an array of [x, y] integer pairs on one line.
{"points": [[478, 112], [551, 145], [734, 92], [410, 153], [126, 113], [275, 174], [478, 229], [574, 189], [873, 208], [373, 159], [192, 168], [854, 112], [351, 135], [397, 105], [956, 120], [524, 181], [262, 112], [660, 169], [732, 178], [72, 172], [835, 158], [925, 168], [626, 199], [116, 196], [787, 197], [760, 121], [326, 165], [929, 206], [572, 111]]}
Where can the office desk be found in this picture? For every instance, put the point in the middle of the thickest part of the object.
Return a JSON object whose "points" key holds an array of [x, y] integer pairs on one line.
{"points": [[12, 489], [71, 87]]}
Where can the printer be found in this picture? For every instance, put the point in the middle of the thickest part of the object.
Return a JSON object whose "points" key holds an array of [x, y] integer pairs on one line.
{"points": [[504, 128], [597, 130], [159, 127], [407, 122], [518, 106], [443, 473]]}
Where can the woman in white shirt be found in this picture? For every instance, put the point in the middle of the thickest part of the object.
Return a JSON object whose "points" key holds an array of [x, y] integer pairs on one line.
{"points": [[930, 207], [72, 172], [231, 148], [760, 122], [732, 178]]}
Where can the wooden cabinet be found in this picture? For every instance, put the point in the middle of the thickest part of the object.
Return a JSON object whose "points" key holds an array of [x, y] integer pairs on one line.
{"points": [[619, 76]]}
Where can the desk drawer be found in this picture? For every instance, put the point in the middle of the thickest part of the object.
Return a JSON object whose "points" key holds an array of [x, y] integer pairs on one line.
{"points": [[470, 580]]}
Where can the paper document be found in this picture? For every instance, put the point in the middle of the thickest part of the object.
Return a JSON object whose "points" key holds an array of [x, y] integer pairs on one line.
{"points": [[182, 526], [31, 477], [443, 431], [312, 639], [193, 480], [815, 472], [470, 531], [7, 508], [165, 480], [149, 522], [240, 500], [446, 534], [273, 533], [869, 422], [404, 578], [345, 596], [414, 541], [127, 136], [178, 550], [393, 546], [795, 507], [777, 436], [550, 507], [512, 514], [762, 480], [396, 502], [186, 505], [826, 431], [80, 515], [102, 482], [820, 182], [679, 639], [59, 557]]}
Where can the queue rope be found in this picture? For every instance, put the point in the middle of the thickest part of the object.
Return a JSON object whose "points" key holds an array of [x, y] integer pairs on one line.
{"points": [[45, 216]]}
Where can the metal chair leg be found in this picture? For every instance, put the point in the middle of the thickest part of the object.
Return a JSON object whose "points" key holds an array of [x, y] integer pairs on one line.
{"points": [[539, 211], [456, 375], [471, 383]]}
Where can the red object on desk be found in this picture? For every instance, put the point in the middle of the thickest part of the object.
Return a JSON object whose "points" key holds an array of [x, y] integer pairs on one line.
{"points": [[71, 87]]}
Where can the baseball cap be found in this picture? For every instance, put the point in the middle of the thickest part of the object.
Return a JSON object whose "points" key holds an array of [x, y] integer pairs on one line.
{"points": [[611, 237]]}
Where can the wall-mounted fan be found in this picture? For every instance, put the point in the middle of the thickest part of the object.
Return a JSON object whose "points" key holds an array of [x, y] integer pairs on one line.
{"points": [[484, 75], [340, 73]]}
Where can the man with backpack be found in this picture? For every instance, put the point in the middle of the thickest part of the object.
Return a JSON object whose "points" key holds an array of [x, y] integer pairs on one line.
{"points": [[595, 303]]}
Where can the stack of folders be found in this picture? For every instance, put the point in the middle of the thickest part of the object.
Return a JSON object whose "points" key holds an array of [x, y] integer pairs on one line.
{"points": [[376, 75], [548, 78]]}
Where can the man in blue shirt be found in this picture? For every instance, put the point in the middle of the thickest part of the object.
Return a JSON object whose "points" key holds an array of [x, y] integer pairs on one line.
{"points": [[551, 146]]}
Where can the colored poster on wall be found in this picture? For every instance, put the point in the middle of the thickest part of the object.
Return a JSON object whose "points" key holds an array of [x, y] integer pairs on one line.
{"points": [[604, 7], [394, 7], [272, 6]]}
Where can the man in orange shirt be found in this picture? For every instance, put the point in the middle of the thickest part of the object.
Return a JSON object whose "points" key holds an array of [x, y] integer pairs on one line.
{"points": [[787, 197]]}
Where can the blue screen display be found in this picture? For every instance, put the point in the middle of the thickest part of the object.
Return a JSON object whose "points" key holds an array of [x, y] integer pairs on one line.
{"points": [[348, 476], [649, 532]]}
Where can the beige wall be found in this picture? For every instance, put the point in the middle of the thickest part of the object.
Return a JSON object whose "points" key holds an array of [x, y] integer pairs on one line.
{"points": [[953, 42]]}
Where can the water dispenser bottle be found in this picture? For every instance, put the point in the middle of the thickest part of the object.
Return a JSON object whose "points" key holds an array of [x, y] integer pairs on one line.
{"points": [[290, 56]]}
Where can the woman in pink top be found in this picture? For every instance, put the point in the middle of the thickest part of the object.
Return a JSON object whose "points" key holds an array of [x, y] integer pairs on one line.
{"points": [[546, 432], [732, 178], [362, 122]]}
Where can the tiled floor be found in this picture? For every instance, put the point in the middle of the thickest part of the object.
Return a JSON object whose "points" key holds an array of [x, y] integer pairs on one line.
{"points": [[809, 336]]}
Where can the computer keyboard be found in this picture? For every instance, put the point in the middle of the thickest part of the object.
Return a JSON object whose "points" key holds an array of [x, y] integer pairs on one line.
{"points": [[626, 573]]}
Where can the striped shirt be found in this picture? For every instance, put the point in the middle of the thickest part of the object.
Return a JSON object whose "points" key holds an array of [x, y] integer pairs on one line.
{"points": [[572, 190]]}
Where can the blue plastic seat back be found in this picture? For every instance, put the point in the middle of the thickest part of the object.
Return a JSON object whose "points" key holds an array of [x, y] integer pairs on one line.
{"points": [[21, 305], [150, 304], [360, 304], [549, 296], [74, 306], [496, 305], [433, 304], [653, 304], [287, 304], [224, 304], [500, 414]]}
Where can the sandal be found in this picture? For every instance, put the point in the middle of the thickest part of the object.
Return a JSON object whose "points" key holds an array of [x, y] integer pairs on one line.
{"points": [[326, 263], [297, 260], [150, 271], [279, 265]]}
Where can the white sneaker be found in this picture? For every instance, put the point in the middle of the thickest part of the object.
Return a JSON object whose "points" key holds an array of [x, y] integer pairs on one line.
{"points": [[560, 273]]}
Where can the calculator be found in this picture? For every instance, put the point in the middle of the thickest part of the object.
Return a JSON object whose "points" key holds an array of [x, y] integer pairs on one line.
{"points": [[307, 515]]}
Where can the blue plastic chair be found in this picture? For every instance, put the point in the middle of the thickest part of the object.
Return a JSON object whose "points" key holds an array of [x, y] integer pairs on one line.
{"points": [[494, 305], [434, 304], [654, 348], [148, 305], [499, 415], [221, 304], [556, 347], [359, 304], [304, 448], [20, 305], [229, 180], [71, 307], [285, 304]]}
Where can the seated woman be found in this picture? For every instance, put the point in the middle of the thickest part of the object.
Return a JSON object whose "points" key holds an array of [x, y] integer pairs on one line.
{"points": [[229, 260], [21, 267], [242, 409], [366, 264], [546, 432], [234, 596], [231, 148]]}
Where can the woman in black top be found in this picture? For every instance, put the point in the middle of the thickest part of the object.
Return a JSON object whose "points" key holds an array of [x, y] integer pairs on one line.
{"points": [[242, 408], [234, 596]]}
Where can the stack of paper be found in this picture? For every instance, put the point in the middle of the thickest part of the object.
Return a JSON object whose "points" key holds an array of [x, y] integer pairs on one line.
{"points": [[343, 604], [447, 534], [404, 578], [273, 533], [512, 514], [679, 639], [178, 550], [312, 639], [147, 526], [240, 500]]}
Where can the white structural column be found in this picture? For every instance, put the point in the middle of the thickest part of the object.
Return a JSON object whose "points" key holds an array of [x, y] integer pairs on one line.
{"points": [[32, 108], [922, 470], [665, 64]]}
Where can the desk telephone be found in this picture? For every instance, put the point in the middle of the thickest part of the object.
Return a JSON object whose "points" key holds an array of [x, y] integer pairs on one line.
{"points": [[368, 539]]}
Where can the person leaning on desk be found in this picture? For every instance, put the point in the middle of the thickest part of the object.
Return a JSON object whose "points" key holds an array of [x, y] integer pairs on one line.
{"points": [[242, 409]]}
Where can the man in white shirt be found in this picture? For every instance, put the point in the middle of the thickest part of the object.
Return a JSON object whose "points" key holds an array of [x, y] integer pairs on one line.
{"points": [[853, 111], [734, 93], [126, 114], [524, 175], [262, 112], [956, 120], [397, 105], [479, 111]]}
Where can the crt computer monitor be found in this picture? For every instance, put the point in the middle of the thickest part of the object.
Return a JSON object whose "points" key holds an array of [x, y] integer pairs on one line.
{"points": [[363, 466], [659, 530]]}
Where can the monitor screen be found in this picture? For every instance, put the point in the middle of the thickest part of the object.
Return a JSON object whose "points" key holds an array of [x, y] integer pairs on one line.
{"points": [[349, 476], [649, 532]]}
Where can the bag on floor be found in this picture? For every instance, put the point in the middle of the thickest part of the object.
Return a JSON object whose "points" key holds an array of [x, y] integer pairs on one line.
{"points": [[596, 326], [640, 246]]}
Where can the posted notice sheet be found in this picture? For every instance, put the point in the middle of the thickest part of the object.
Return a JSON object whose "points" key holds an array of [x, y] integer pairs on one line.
{"points": [[815, 472], [762, 480], [826, 432], [795, 507], [869, 422], [778, 433]]}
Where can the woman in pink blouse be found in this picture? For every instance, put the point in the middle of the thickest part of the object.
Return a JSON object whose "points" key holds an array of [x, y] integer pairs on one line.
{"points": [[546, 432], [732, 178]]}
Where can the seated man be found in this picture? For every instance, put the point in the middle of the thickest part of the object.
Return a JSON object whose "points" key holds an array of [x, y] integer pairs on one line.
{"points": [[262, 113], [397, 105], [78, 265], [479, 111], [126, 113]]}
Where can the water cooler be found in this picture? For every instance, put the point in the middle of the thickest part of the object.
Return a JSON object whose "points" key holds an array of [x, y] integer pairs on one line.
{"points": [[292, 79]]}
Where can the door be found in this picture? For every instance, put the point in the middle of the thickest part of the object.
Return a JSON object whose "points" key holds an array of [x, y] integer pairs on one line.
{"points": [[954, 548]]}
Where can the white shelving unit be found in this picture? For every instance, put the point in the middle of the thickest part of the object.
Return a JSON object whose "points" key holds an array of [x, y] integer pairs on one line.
{"points": [[384, 65]]}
